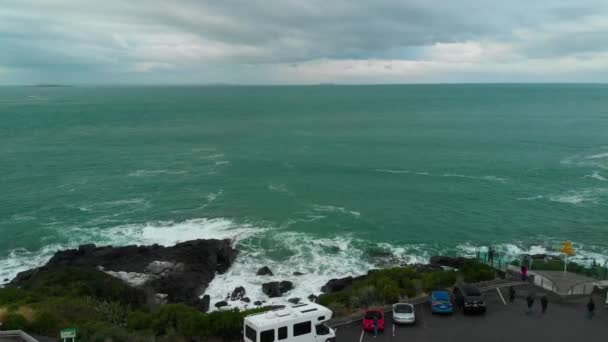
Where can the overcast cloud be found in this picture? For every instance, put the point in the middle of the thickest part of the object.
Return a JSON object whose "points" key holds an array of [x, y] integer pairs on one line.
{"points": [[304, 41]]}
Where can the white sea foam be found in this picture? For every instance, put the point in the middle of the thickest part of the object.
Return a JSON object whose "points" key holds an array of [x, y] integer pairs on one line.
{"points": [[162, 233], [424, 173], [595, 160], [393, 171], [278, 187], [596, 175], [319, 259], [598, 156], [487, 178], [152, 173], [532, 198], [212, 196], [335, 209], [593, 195], [170, 233]]}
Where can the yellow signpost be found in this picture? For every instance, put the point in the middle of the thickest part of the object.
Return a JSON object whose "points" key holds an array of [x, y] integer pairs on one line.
{"points": [[568, 250]]}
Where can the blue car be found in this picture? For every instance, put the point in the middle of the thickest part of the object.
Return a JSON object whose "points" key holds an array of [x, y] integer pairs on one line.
{"points": [[441, 302]]}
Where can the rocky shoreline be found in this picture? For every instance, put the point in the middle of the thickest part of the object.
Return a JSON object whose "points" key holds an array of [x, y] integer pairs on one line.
{"points": [[182, 273], [177, 274]]}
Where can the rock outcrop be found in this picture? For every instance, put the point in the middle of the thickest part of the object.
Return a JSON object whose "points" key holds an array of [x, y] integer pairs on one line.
{"points": [[180, 273], [238, 293], [277, 289], [264, 271], [442, 260], [335, 285]]}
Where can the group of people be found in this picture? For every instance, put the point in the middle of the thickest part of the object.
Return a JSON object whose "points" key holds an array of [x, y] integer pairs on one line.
{"points": [[544, 302]]}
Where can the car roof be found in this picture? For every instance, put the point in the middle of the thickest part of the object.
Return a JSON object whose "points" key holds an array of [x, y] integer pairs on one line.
{"points": [[470, 290], [287, 314], [441, 294], [403, 304]]}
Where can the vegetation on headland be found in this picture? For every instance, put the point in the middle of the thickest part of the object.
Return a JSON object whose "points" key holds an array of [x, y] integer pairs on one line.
{"points": [[103, 308], [388, 286]]}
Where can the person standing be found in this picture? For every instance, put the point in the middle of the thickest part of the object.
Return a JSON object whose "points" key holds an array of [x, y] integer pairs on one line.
{"points": [[511, 294], [530, 302], [375, 326], [590, 308], [543, 303], [524, 273]]}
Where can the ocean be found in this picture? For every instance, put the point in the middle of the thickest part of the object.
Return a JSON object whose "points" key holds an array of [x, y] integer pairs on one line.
{"points": [[326, 180]]}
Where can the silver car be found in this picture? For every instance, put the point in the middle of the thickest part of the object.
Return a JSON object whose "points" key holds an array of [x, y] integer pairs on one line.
{"points": [[404, 313]]}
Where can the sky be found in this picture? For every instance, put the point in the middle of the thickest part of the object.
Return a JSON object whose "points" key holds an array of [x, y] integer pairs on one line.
{"points": [[302, 41]]}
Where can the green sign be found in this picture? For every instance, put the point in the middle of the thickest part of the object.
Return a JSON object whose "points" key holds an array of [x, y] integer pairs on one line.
{"points": [[68, 333]]}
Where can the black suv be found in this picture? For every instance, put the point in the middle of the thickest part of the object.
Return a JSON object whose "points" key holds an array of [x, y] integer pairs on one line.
{"points": [[469, 299]]}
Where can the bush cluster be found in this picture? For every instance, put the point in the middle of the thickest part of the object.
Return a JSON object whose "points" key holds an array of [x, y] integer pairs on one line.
{"points": [[104, 309], [388, 286]]}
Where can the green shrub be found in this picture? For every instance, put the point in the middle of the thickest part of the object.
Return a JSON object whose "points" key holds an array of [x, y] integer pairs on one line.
{"points": [[138, 320], [438, 280], [75, 282], [14, 321], [13, 295], [473, 272], [46, 324]]}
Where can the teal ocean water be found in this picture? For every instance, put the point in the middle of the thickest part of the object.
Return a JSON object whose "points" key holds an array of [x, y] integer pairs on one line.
{"points": [[327, 180]]}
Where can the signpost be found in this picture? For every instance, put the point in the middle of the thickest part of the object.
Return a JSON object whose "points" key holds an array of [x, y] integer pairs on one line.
{"points": [[568, 250], [66, 334]]}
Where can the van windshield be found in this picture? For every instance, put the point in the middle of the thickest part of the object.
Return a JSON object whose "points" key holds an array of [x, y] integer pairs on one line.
{"points": [[322, 329]]}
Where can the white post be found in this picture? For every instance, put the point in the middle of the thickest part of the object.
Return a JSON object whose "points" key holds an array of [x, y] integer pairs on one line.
{"points": [[531, 261], [565, 263]]}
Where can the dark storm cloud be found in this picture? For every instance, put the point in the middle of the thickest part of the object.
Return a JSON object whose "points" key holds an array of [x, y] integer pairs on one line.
{"points": [[200, 41]]}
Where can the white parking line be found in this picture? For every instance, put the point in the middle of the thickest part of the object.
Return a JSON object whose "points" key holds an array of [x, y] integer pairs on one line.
{"points": [[501, 297], [361, 337]]}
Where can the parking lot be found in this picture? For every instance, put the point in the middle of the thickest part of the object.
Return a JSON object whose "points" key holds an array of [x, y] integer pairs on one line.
{"points": [[565, 320]]}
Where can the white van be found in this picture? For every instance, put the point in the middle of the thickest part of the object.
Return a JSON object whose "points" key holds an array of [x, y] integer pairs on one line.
{"points": [[296, 323]]}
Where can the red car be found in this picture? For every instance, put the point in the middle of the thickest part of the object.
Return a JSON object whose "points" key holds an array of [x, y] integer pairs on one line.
{"points": [[370, 316]]}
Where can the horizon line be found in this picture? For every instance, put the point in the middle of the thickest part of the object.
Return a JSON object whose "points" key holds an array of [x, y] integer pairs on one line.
{"points": [[227, 84]]}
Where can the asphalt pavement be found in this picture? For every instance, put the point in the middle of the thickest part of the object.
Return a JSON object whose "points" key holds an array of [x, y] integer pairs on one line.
{"points": [[565, 320]]}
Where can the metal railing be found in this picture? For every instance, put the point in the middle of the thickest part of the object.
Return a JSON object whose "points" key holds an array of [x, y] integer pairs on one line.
{"points": [[544, 282]]}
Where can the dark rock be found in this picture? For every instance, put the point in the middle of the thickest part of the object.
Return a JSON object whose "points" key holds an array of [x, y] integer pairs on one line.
{"points": [[221, 304], [204, 303], [257, 303], [313, 298], [335, 285], [272, 289], [186, 269], [238, 293], [277, 289], [298, 273], [294, 300], [285, 286], [454, 262], [246, 300], [264, 271]]}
